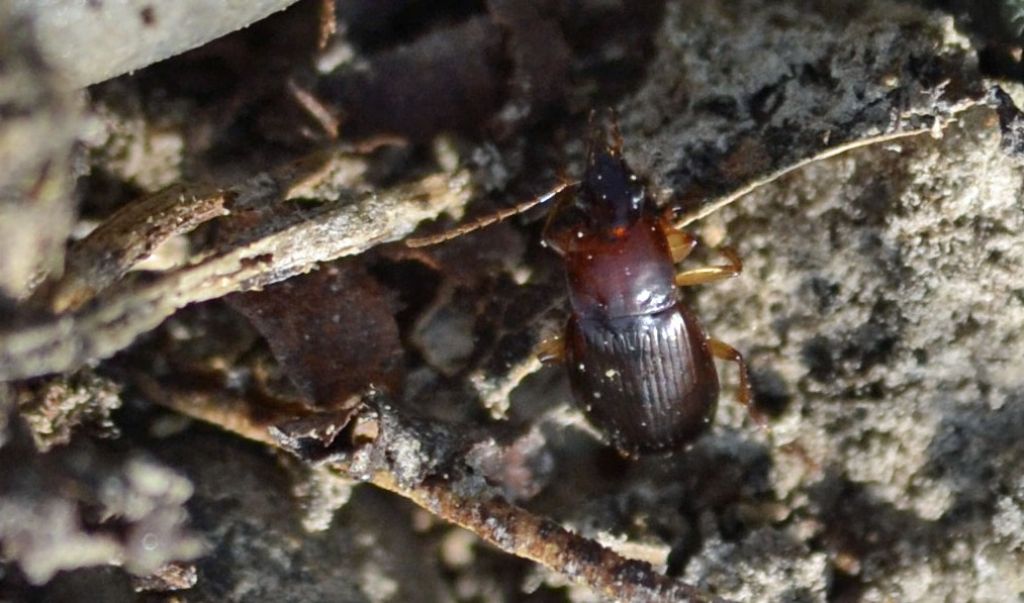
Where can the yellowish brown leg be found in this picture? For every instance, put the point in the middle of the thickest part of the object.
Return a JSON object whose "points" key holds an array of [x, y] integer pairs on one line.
{"points": [[712, 274], [744, 394], [680, 244], [551, 351]]}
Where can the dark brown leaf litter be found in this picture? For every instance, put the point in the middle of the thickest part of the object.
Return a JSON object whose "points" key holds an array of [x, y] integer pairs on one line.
{"points": [[333, 330], [495, 68], [879, 307]]}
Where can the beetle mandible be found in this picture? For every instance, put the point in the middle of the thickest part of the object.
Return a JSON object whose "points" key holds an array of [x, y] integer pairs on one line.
{"points": [[640, 365]]}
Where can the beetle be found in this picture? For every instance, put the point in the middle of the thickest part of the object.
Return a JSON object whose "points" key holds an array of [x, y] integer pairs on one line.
{"points": [[641, 367]]}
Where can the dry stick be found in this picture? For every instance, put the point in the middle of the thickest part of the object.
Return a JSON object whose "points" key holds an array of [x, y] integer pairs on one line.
{"points": [[322, 234], [328, 23], [519, 532], [130, 235], [314, 107], [508, 527]]}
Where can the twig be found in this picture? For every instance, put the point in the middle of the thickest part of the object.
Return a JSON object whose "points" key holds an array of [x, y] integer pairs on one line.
{"points": [[506, 526], [314, 107], [130, 235], [539, 539], [134, 231], [328, 20], [292, 243]]}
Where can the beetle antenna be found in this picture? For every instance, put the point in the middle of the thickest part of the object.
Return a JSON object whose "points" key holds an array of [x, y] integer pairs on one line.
{"points": [[487, 220], [718, 203]]}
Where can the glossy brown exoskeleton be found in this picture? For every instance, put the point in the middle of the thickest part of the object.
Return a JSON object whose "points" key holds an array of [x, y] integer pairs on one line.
{"points": [[641, 367]]}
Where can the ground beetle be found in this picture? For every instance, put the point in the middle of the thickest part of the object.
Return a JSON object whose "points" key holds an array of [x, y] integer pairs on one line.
{"points": [[640, 365]]}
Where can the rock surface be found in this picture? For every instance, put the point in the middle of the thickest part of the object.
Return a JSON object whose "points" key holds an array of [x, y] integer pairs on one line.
{"points": [[88, 42]]}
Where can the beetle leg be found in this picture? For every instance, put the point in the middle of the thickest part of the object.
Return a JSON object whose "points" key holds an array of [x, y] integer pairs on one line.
{"points": [[744, 395], [551, 350], [680, 244], [711, 274]]}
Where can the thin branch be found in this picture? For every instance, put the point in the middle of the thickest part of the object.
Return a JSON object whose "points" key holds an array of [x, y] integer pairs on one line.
{"points": [[328, 23], [506, 526], [130, 235], [523, 534], [290, 244], [314, 107]]}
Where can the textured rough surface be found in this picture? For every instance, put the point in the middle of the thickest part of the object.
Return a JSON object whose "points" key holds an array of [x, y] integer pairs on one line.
{"points": [[54, 408], [881, 309], [38, 119], [79, 506], [897, 344], [92, 41], [879, 304]]}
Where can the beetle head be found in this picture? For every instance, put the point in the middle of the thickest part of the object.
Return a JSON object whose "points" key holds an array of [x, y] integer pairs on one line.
{"points": [[611, 194], [610, 198]]}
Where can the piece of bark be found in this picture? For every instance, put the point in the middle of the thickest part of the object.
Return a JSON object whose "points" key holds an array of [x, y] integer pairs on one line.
{"points": [[291, 243]]}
